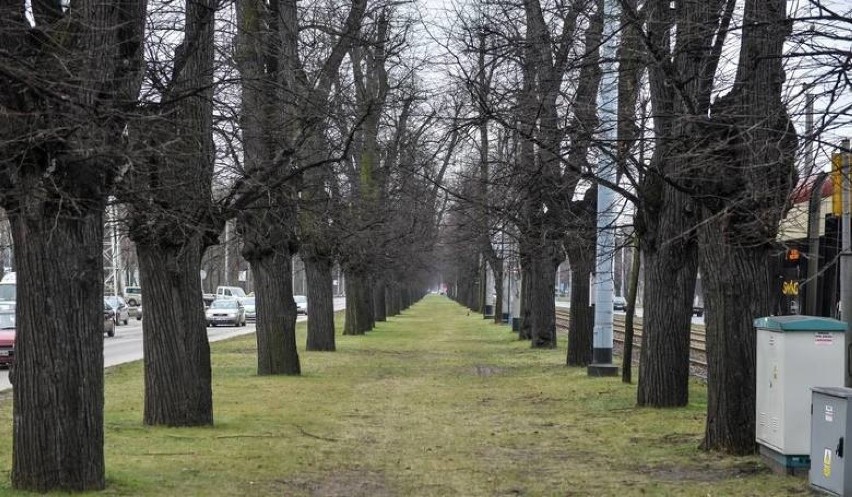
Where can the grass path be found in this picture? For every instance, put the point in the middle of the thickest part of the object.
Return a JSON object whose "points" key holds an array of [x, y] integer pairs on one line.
{"points": [[435, 402]]}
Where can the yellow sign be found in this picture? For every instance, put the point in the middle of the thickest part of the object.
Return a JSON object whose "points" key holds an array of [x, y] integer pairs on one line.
{"points": [[790, 287], [826, 463], [836, 197]]}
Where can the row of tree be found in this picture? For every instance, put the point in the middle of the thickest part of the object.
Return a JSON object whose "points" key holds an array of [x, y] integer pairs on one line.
{"points": [[705, 156], [307, 125]]}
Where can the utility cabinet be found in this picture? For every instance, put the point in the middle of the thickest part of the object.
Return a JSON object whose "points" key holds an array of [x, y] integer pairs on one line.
{"points": [[794, 354], [831, 466]]}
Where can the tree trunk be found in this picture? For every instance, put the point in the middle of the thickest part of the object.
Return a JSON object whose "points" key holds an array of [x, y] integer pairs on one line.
{"points": [[393, 298], [321, 304], [736, 292], [632, 292], [58, 403], [276, 314], [379, 304], [581, 328], [542, 300], [498, 290], [358, 305], [178, 389], [670, 272]]}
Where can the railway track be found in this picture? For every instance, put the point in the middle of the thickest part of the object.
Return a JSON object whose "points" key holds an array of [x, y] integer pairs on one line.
{"points": [[697, 348]]}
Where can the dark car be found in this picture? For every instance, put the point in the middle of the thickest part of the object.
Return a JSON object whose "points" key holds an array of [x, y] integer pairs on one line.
{"points": [[122, 312], [109, 320], [698, 310], [7, 338]]}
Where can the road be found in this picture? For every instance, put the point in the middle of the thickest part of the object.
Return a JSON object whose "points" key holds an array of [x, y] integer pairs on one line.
{"points": [[126, 345]]}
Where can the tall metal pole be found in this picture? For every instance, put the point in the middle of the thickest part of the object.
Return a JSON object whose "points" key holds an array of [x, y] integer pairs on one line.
{"points": [[846, 260], [813, 209], [608, 104], [227, 261]]}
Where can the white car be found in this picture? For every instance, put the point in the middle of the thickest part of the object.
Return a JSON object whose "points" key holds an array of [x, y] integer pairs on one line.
{"points": [[226, 311], [301, 304]]}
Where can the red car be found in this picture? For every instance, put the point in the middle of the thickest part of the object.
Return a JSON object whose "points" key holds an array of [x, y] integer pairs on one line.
{"points": [[7, 338]]}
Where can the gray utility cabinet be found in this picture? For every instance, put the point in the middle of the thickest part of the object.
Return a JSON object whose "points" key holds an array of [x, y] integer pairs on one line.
{"points": [[831, 420]]}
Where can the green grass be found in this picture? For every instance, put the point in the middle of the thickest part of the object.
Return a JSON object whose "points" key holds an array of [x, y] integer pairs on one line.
{"points": [[435, 402]]}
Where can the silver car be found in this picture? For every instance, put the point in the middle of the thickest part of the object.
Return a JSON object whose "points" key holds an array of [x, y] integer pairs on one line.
{"points": [[226, 311], [249, 305]]}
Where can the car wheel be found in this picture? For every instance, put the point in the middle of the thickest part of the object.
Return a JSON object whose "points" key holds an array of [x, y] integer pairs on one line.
{"points": [[126, 321], [139, 317], [132, 302], [111, 333]]}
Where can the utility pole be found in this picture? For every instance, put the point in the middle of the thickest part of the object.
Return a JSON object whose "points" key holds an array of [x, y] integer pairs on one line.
{"points": [[814, 204], [608, 104], [227, 249], [846, 260]]}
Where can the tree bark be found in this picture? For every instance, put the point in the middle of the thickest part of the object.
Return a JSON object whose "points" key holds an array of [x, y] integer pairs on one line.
{"points": [[320, 304], [581, 328], [393, 298], [276, 314], [379, 303], [358, 304], [670, 272], [542, 299], [178, 390], [58, 402], [498, 290]]}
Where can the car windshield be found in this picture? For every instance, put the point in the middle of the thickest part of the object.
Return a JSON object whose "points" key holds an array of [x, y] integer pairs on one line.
{"points": [[300, 299], [224, 304], [7, 320], [7, 292], [114, 302]]}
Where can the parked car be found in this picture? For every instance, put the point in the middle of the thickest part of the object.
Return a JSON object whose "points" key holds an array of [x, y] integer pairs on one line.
{"points": [[226, 311], [109, 320], [698, 310], [301, 304], [251, 312], [619, 303], [7, 338], [122, 313], [133, 295]]}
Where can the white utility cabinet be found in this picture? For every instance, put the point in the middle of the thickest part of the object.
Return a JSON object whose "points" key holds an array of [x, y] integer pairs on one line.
{"points": [[794, 354]]}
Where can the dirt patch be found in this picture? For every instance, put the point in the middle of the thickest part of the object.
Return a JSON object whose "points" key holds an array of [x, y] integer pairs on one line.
{"points": [[485, 371], [343, 483], [707, 474]]}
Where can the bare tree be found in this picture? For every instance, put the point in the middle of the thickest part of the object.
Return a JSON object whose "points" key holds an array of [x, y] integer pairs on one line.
{"points": [[748, 152], [69, 74], [172, 220]]}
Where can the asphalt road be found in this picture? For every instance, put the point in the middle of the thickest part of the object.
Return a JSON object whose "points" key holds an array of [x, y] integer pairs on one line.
{"points": [[126, 345]]}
